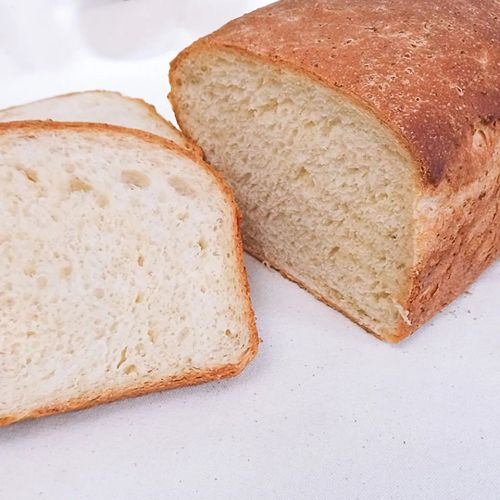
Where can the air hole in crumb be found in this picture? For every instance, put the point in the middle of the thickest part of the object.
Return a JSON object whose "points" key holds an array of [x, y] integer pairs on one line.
{"points": [[76, 184], [245, 178], [139, 298], [31, 175], [333, 252], [183, 334], [184, 216], [140, 261], [181, 186], [381, 295], [102, 200], [30, 271], [135, 178], [66, 271], [99, 293], [130, 369], [123, 357], [30, 333], [305, 175], [203, 289], [48, 376], [152, 335], [41, 282], [229, 333], [202, 244]]}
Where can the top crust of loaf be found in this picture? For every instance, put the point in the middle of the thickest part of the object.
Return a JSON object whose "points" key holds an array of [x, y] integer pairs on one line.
{"points": [[429, 70]]}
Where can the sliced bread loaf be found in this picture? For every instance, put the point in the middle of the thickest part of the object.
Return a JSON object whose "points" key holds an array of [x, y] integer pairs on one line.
{"points": [[100, 106], [362, 141], [121, 268]]}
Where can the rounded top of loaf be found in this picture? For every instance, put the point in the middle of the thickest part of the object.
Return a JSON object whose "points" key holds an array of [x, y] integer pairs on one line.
{"points": [[429, 69]]}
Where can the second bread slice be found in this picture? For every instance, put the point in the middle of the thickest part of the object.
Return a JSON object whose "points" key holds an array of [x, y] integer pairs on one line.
{"points": [[100, 106]]}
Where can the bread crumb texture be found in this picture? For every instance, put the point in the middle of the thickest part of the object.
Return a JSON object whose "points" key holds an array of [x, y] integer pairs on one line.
{"points": [[105, 285], [315, 207]]}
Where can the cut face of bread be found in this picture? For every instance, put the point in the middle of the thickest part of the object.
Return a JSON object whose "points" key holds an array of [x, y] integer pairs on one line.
{"points": [[121, 269], [302, 160], [100, 106]]}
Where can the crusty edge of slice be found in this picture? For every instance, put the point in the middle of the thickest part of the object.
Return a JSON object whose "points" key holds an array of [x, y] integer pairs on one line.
{"points": [[90, 400], [189, 378], [188, 143]]}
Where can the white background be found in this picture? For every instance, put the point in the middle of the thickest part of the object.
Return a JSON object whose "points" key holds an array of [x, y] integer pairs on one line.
{"points": [[325, 411]]}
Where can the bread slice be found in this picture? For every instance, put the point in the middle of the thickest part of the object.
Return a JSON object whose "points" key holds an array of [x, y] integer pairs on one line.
{"points": [[121, 269], [367, 166], [100, 106]]}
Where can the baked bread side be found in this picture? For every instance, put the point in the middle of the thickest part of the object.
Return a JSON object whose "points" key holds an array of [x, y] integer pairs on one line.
{"points": [[361, 139]]}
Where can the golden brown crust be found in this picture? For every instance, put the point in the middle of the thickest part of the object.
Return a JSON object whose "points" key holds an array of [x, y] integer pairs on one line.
{"points": [[151, 110], [189, 378], [455, 247], [89, 400], [429, 70]]}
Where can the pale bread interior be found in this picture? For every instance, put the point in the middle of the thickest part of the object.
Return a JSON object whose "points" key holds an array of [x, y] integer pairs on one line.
{"points": [[326, 191], [98, 106], [119, 268]]}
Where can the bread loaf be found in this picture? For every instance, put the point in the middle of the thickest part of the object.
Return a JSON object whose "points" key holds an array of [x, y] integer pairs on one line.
{"points": [[362, 141], [100, 106], [121, 269]]}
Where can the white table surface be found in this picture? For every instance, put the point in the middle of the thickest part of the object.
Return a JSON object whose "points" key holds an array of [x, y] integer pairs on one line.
{"points": [[325, 411]]}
